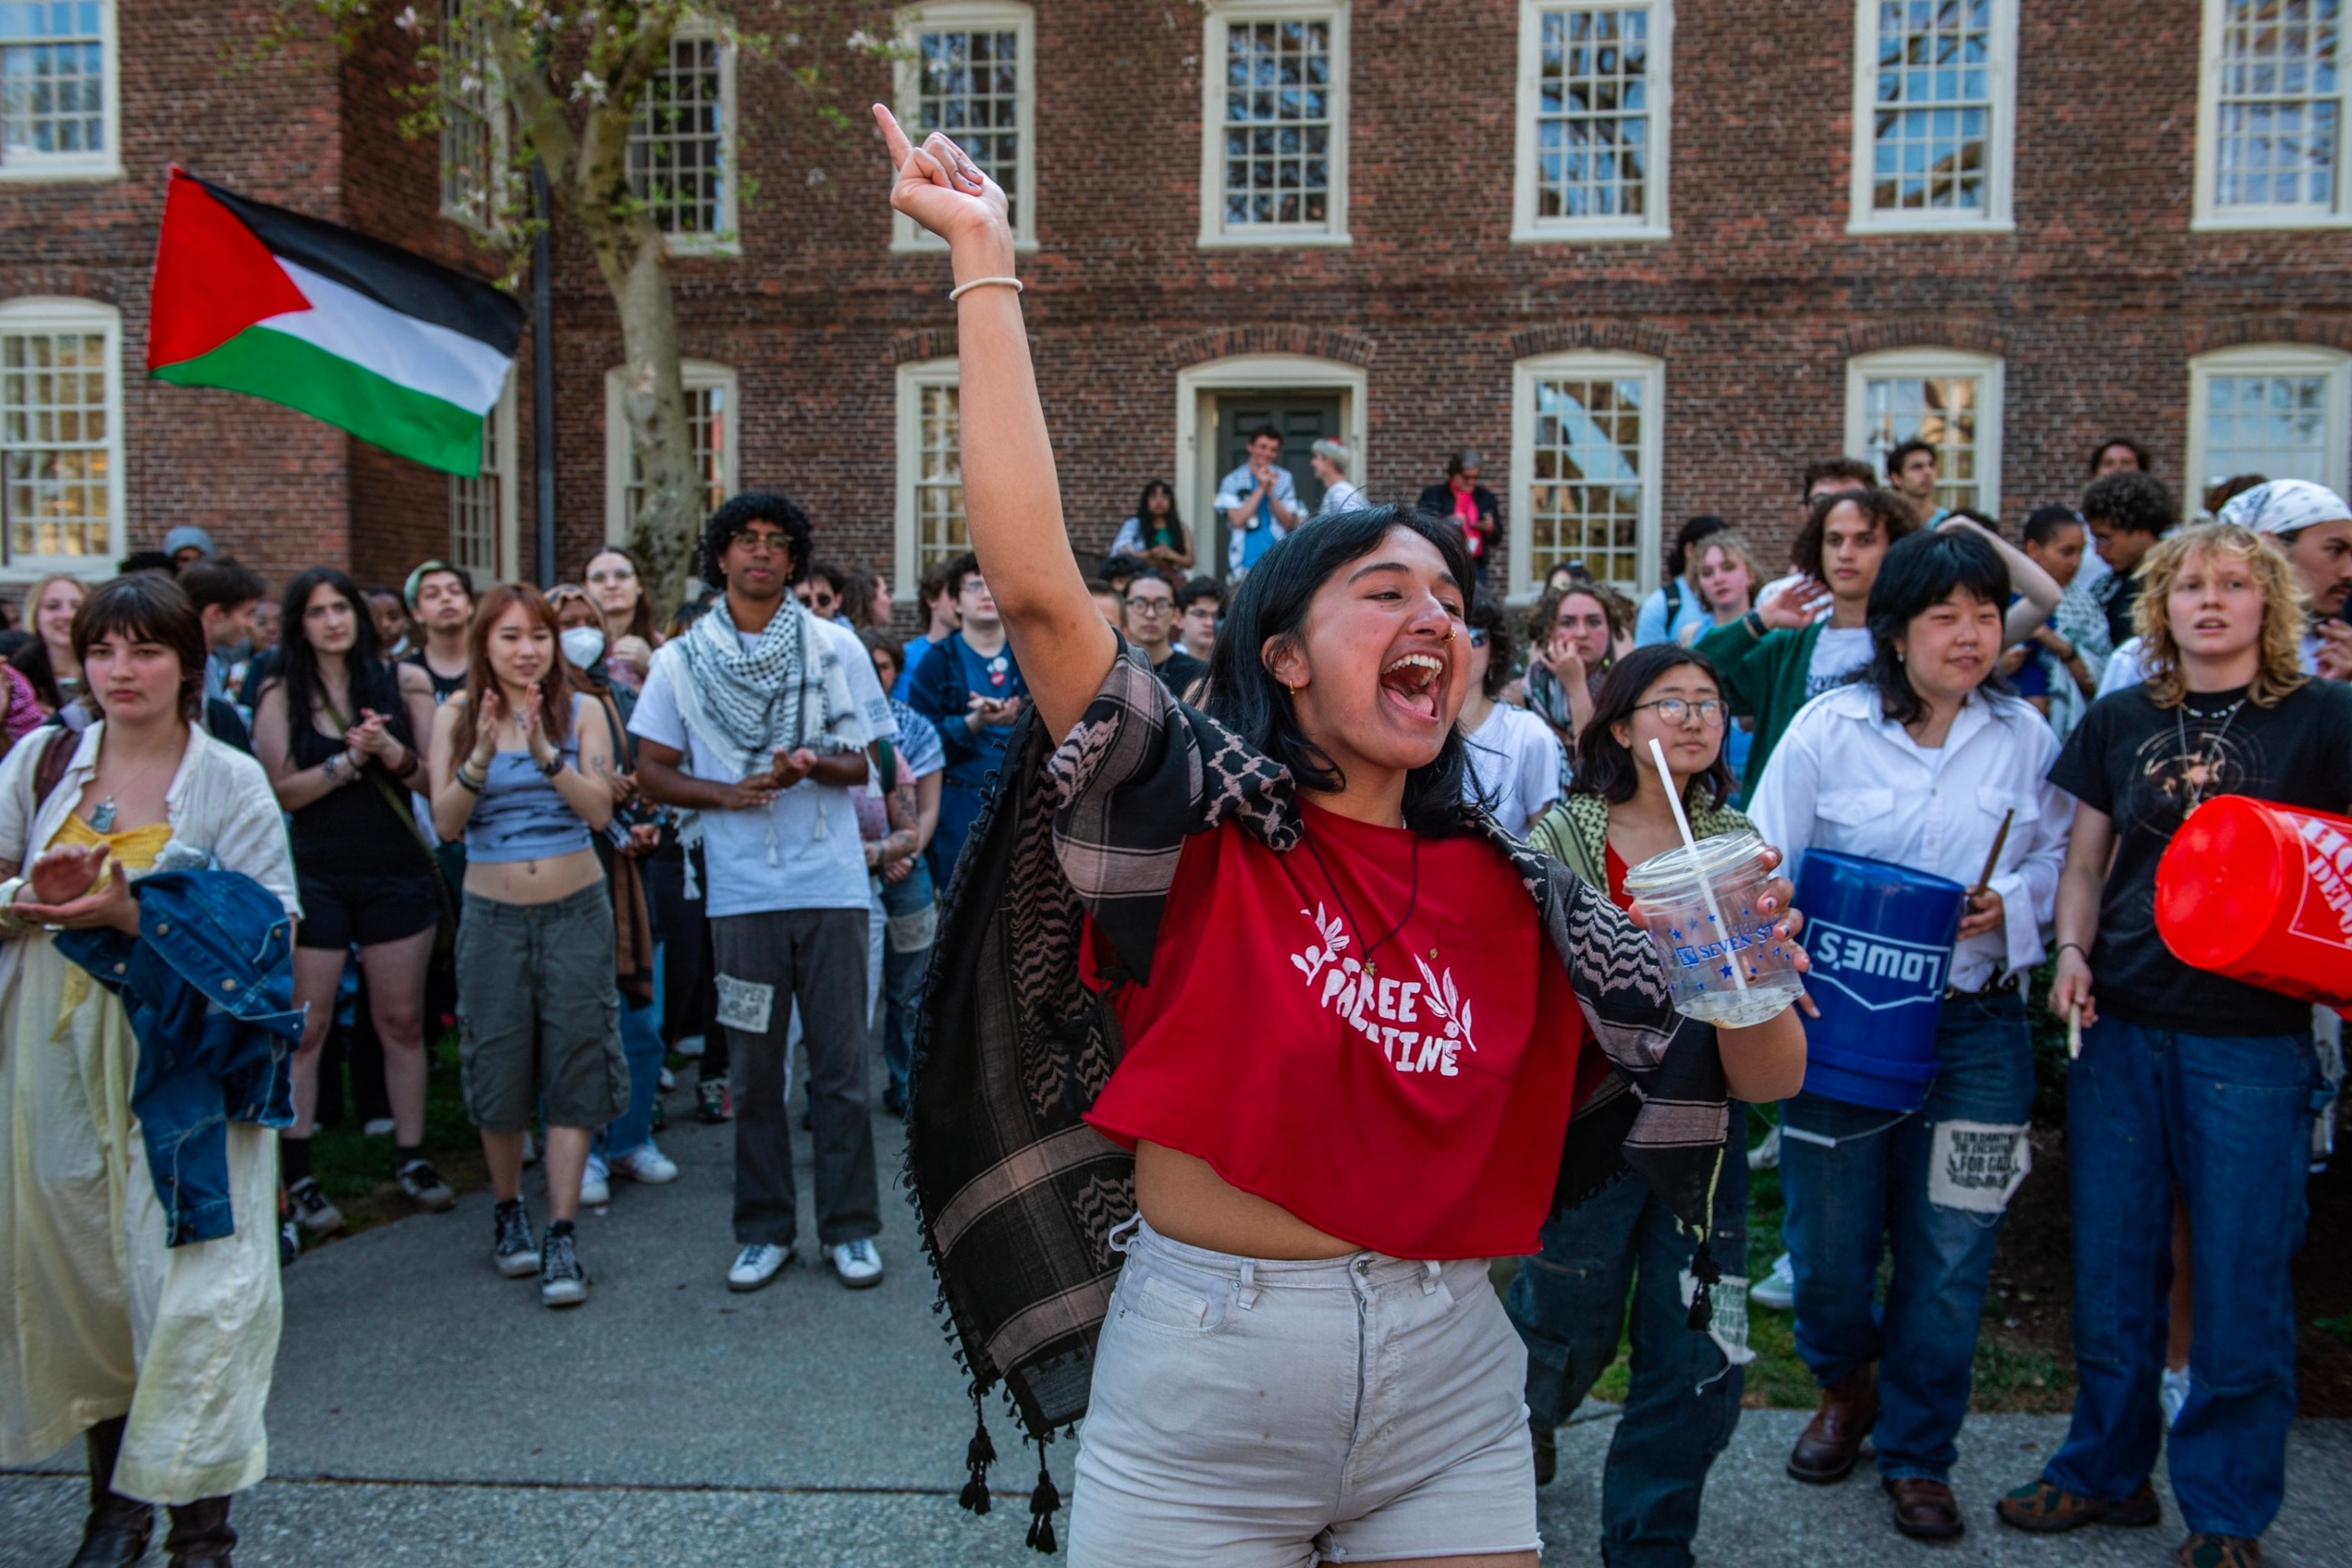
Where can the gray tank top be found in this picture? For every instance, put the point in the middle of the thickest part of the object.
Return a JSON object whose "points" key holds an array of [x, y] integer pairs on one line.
{"points": [[521, 815]]}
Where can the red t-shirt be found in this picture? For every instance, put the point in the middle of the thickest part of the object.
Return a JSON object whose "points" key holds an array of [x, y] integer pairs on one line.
{"points": [[1417, 1110]]}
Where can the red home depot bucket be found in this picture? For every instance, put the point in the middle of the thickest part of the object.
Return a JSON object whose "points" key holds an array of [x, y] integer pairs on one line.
{"points": [[2261, 893]]}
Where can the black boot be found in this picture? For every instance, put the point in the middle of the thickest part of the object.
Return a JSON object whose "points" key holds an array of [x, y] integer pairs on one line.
{"points": [[201, 1534], [116, 1533]]}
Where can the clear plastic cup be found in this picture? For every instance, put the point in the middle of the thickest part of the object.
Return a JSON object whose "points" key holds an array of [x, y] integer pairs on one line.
{"points": [[1725, 965]]}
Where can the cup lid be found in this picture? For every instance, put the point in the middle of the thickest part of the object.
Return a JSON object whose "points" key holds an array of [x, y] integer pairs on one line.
{"points": [[1680, 867]]}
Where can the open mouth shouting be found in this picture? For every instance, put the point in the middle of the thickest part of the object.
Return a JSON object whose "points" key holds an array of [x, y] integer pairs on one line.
{"points": [[1413, 682]]}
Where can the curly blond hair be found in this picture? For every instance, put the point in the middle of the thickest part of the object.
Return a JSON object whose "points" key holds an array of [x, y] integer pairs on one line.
{"points": [[2280, 669]]}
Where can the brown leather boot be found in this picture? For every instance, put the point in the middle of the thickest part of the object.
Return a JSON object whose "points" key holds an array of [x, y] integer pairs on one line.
{"points": [[1831, 1441], [115, 1534], [201, 1534], [1924, 1509]]}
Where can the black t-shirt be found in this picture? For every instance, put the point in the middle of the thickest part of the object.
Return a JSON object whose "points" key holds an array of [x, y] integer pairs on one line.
{"points": [[1180, 670], [444, 687], [2143, 766]]}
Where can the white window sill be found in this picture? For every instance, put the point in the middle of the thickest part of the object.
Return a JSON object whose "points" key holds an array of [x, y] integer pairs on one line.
{"points": [[1274, 239], [1592, 234], [24, 570], [2268, 218], [58, 172], [702, 246], [1872, 227], [929, 244]]}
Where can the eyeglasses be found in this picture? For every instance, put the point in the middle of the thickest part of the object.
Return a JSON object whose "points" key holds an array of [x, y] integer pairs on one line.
{"points": [[1152, 606], [617, 575], [1674, 710], [772, 543]]}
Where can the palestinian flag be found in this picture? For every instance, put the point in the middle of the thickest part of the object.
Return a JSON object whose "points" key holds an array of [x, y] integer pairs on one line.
{"points": [[395, 349]]}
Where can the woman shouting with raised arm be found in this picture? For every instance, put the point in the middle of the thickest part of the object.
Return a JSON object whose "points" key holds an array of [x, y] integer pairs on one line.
{"points": [[1268, 949]]}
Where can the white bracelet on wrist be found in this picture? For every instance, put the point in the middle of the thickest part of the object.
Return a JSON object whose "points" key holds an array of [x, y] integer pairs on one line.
{"points": [[960, 290]]}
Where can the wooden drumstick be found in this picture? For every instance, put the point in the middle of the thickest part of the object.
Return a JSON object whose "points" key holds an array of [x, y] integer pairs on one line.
{"points": [[2000, 842]]}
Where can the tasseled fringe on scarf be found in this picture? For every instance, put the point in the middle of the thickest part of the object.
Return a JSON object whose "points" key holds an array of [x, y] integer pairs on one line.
{"points": [[1704, 1273], [1042, 1504], [976, 1457]]}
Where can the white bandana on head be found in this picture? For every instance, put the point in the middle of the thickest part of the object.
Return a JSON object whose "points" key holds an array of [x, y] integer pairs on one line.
{"points": [[2285, 507]]}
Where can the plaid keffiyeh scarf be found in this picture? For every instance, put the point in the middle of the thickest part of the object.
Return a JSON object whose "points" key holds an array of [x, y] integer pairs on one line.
{"points": [[787, 690]]}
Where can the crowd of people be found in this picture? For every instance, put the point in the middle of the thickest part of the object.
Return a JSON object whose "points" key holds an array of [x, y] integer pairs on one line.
{"points": [[601, 842]]}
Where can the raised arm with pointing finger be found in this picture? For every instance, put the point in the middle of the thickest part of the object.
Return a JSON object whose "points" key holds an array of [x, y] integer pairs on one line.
{"points": [[1012, 502]]}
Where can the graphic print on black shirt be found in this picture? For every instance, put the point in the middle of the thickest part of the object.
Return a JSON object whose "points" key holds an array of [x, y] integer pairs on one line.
{"points": [[2145, 767]]}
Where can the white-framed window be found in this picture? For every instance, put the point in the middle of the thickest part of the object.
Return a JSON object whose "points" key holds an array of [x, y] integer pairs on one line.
{"points": [[682, 146], [60, 435], [2270, 115], [1595, 85], [714, 419], [1588, 436], [969, 68], [473, 123], [2280, 410], [1948, 398], [1935, 98], [930, 469], [57, 92], [482, 531], [1274, 123]]}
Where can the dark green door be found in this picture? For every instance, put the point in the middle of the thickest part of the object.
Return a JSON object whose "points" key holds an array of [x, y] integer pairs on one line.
{"points": [[1302, 421]]}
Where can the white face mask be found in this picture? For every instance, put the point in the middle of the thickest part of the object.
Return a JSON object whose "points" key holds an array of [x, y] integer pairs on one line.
{"points": [[584, 646]]}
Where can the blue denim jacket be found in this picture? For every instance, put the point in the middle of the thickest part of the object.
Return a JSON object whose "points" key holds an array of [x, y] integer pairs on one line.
{"points": [[209, 985]]}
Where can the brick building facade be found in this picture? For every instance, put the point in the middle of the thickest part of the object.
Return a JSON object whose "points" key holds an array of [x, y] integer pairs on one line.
{"points": [[1648, 257]]}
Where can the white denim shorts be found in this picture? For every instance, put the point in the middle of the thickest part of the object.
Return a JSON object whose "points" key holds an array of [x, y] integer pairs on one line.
{"points": [[1260, 1414]]}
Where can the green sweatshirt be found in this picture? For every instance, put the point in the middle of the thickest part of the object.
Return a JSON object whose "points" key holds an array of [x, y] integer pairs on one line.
{"points": [[1763, 679]]}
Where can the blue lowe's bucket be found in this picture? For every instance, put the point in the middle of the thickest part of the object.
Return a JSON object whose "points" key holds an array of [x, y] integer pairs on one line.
{"points": [[1881, 941]]}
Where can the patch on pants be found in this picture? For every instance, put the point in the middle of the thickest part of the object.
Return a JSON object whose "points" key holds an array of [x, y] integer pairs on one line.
{"points": [[913, 932], [1728, 1326], [744, 1005], [1977, 1165]]}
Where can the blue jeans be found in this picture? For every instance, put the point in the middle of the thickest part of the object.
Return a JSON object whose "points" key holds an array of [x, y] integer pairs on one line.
{"points": [[902, 974], [2226, 1120], [1569, 1303], [1857, 1184], [641, 1044]]}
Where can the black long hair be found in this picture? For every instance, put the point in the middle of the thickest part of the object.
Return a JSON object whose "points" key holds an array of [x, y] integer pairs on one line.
{"points": [[1605, 767], [1272, 602], [1919, 574], [1487, 615], [146, 606], [374, 683], [1175, 523]]}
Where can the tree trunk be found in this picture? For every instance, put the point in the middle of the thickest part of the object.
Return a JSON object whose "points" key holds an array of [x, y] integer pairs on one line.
{"points": [[673, 489]]}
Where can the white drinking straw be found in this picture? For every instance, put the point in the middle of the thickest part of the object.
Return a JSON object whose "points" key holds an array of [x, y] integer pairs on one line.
{"points": [[1706, 888]]}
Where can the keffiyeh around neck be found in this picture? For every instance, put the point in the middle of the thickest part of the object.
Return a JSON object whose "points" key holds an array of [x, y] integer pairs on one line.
{"points": [[787, 690]]}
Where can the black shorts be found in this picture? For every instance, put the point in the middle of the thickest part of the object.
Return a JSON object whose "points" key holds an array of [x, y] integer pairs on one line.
{"points": [[341, 908]]}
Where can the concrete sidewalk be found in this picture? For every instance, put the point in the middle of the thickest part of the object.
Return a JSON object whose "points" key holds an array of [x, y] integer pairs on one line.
{"points": [[427, 1412]]}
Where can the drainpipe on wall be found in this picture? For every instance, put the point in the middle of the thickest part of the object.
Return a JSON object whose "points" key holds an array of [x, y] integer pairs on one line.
{"points": [[542, 372]]}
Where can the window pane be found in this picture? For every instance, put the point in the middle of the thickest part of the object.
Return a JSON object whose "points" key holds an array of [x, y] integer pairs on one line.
{"points": [[677, 148], [52, 80], [471, 147], [476, 523], [2275, 426], [1938, 409], [1592, 121], [2276, 118], [56, 491], [939, 533], [1277, 137], [1586, 504], [968, 85], [706, 419], [1934, 92]]}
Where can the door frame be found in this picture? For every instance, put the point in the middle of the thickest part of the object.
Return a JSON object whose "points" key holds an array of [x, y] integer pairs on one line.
{"points": [[1198, 386]]}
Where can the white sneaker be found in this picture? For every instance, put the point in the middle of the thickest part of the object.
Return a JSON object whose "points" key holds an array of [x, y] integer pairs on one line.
{"points": [[858, 1263], [669, 1081], [2172, 1393], [1776, 1289], [689, 1047], [378, 1127], [646, 1165], [596, 1184], [756, 1265], [1766, 1156]]}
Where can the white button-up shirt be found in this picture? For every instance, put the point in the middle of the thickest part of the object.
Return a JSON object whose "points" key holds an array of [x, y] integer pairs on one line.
{"points": [[1846, 777]]}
